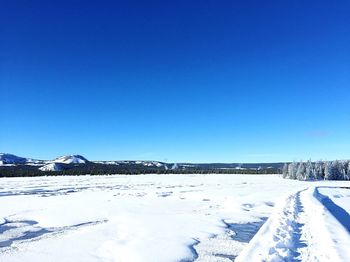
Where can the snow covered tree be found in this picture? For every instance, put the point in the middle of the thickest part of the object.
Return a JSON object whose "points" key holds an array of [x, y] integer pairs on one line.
{"points": [[347, 176], [327, 171], [331, 170], [301, 171], [339, 170], [309, 171], [319, 170], [292, 170], [342, 170], [285, 171]]}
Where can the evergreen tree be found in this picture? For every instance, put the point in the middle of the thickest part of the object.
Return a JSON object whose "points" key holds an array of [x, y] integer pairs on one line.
{"points": [[292, 170], [327, 171], [285, 171], [342, 170], [309, 171], [301, 171], [339, 170], [319, 170], [347, 176], [331, 170]]}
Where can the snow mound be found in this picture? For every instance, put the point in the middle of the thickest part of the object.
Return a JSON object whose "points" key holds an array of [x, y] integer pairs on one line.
{"points": [[51, 167], [71, 159]]}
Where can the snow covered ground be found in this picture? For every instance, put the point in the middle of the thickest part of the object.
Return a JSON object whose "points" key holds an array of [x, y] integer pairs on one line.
{"points": [[173, 218]]}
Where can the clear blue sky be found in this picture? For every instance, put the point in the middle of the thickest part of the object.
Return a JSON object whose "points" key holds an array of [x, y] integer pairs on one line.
{"points": [[200, 81]]}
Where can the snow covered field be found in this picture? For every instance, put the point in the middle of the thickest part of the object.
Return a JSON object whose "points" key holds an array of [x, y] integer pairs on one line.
{"points": [[173, 218]]}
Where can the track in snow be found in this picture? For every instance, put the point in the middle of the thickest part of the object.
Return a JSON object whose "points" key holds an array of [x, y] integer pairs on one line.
{"points": [[288, 234], [306, 226]]}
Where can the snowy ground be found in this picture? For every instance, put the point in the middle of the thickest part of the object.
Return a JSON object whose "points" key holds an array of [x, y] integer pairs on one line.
{"points": [[173, 218]]}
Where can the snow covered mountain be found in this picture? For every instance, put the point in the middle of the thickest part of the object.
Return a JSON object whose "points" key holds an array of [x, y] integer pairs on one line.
{"points": [[71, 159], [63, 162], [133, 162], [12, 165], [9, 159]]}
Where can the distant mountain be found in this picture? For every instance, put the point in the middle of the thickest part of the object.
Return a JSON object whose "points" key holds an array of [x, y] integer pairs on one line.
{"points": [[132, 162], [71, 159], [9, 159], [43, 165], [12, 165]]}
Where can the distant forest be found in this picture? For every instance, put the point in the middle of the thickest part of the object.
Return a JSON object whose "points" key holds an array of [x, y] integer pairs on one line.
{"points": [[91, 168], [320, 170]]}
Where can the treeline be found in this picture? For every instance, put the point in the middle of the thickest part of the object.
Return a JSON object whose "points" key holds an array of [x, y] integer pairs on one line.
{"points": [[103, 169], [320, 170]]}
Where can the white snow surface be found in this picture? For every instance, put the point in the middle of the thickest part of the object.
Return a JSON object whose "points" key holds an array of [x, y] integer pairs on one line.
{"points": [[172, 218]]}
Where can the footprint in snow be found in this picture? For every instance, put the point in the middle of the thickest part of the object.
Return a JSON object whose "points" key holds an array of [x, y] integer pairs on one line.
{"points": [[164, 194]]}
